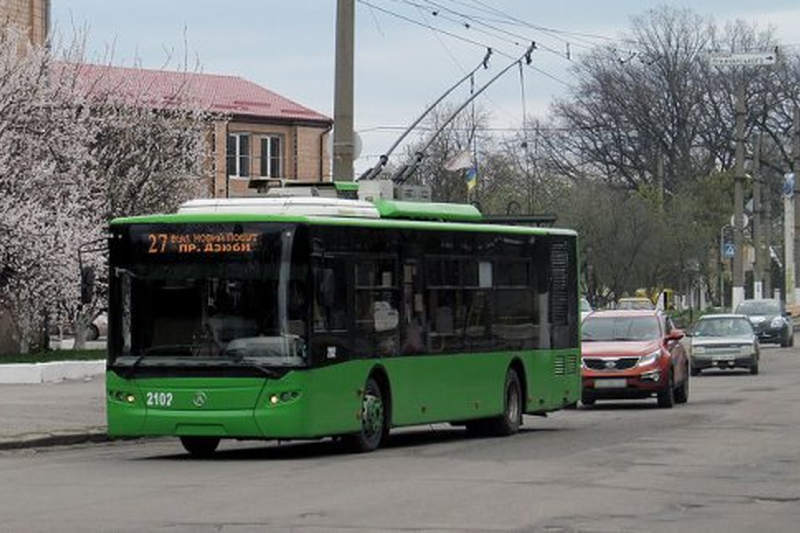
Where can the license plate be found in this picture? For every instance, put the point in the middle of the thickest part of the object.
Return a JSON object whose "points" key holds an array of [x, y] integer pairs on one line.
{"points": [[727, 357], [610, 383]]}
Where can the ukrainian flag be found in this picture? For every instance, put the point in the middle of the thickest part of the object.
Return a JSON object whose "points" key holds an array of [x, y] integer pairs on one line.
{"points": [[472, 177]]}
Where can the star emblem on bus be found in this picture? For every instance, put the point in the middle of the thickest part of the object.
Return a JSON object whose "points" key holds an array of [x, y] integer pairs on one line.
{"points": [[199, 399]]}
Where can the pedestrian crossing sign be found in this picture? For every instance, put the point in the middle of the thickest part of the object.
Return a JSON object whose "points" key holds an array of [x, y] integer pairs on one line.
{"points": [[729, 250]]}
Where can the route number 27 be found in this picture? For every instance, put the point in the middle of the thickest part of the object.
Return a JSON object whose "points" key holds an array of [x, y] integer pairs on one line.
{"points": [[158, 243]]}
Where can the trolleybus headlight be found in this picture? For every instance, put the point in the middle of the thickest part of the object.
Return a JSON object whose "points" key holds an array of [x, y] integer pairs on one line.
{"points": [[283, 397], [130, 398]]}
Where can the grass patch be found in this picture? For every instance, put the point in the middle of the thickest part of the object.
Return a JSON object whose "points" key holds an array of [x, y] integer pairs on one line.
{"points": [[54, 355]]}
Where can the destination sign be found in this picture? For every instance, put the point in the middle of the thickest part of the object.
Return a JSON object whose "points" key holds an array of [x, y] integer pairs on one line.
{"points": [[201, 243]]}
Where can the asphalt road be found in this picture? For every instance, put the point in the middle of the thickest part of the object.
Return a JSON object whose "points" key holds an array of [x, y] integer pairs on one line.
{"points": [[727, 461]]}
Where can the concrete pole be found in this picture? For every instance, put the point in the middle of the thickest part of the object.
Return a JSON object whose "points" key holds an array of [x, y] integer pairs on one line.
{"points": [[766, 230], [796, 169], [788, 247], [343, 145], [758, 242], [738, 199]]}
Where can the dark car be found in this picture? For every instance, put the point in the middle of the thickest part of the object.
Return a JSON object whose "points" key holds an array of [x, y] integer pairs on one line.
{"points": [[633, 354], [770, 320]]}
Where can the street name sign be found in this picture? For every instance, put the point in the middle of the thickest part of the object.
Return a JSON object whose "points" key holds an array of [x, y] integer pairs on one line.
{"points": [[725, 59]]}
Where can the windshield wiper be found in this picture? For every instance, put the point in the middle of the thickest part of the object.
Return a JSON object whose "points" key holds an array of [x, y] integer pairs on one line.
{"points": [[132, 369], [269, 372]]}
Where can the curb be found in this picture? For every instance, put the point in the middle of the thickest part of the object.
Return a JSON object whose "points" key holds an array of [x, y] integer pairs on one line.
{"points": [[40, 440], [26, 373]]}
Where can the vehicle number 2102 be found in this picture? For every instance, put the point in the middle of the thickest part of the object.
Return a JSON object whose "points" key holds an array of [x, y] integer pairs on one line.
{"points": [[159, 399]]}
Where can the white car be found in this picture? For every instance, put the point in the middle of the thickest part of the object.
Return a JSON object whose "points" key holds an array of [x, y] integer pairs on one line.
{"points": [[586, 308], [98, 328]]}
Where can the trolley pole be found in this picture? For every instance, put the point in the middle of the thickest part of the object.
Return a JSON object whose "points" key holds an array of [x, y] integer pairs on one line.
{"points": [[343, 144]]}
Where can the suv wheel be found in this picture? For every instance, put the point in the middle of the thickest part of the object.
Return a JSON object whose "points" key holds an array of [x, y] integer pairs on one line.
{"points": [[666, 397], [682, 393]]}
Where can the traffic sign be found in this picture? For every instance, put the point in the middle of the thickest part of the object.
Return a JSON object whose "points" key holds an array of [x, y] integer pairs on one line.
{"points": [[728, 59], [788, 184], [745, 220], [729, 250]]}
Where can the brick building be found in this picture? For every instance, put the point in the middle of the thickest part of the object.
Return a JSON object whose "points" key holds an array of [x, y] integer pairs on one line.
{"points": [[264, 134], [30, 17]]}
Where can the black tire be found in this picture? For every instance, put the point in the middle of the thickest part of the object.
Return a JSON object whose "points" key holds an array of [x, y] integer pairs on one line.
{"points": [[754, 367], [791, 337], [92, 333], [695, 371], [587, 400], [787, 340], [682, 392], [510, 421], [374, 426], [200, 446], [666, 397]]}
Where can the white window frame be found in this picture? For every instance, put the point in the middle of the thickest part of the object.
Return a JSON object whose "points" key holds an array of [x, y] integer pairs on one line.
{"points": [[269, 139], [238, 155]]}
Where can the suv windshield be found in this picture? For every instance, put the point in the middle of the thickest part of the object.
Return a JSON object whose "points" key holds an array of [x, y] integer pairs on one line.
{"points": [[723, 327], [585, 305], [634, 328], [193, 309], [759, 307]]}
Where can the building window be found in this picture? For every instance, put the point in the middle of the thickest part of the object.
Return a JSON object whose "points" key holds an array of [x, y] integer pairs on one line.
{"points": [[271, 157], [238, 155]]}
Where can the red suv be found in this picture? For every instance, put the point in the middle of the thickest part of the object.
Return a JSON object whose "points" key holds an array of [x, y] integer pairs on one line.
{"points": [[632, 355]]}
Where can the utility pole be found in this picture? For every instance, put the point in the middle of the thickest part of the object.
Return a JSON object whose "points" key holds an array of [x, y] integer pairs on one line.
{"points": [[343, 144], [795, 169], [738, 200], [747, 59], [766, 231], [660, 181], [758, 243]]}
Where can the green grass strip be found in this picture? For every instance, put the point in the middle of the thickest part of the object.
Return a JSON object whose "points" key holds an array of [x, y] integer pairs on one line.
{"points": [[54, 355]]}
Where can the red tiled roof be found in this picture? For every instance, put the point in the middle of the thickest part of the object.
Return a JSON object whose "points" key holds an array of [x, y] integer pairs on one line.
{"points": [[214, 92]]}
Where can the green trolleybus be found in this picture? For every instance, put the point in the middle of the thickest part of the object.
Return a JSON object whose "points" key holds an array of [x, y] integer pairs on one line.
{"points": [[310, 317]]}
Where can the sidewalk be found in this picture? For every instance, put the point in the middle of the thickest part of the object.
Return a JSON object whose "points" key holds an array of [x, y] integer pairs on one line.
{"points": [[47, 414]]}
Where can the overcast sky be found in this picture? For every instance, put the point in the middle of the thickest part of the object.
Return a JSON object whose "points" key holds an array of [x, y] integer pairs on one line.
{"points": [[400, 66]]}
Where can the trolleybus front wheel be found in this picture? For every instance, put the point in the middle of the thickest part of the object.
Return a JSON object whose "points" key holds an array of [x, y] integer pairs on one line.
{"points": [[373, 419]]}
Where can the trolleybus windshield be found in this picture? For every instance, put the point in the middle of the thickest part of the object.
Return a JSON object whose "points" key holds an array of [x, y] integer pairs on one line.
{"points": [[190, 295]]}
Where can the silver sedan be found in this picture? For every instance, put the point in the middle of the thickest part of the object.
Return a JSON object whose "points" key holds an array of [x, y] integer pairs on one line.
{"points": [[724, 341]]}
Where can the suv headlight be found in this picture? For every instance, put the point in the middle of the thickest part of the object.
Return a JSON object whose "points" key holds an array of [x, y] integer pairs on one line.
{"points": [[776, 322], [649, 358], [698, 349], [746, 349]]}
